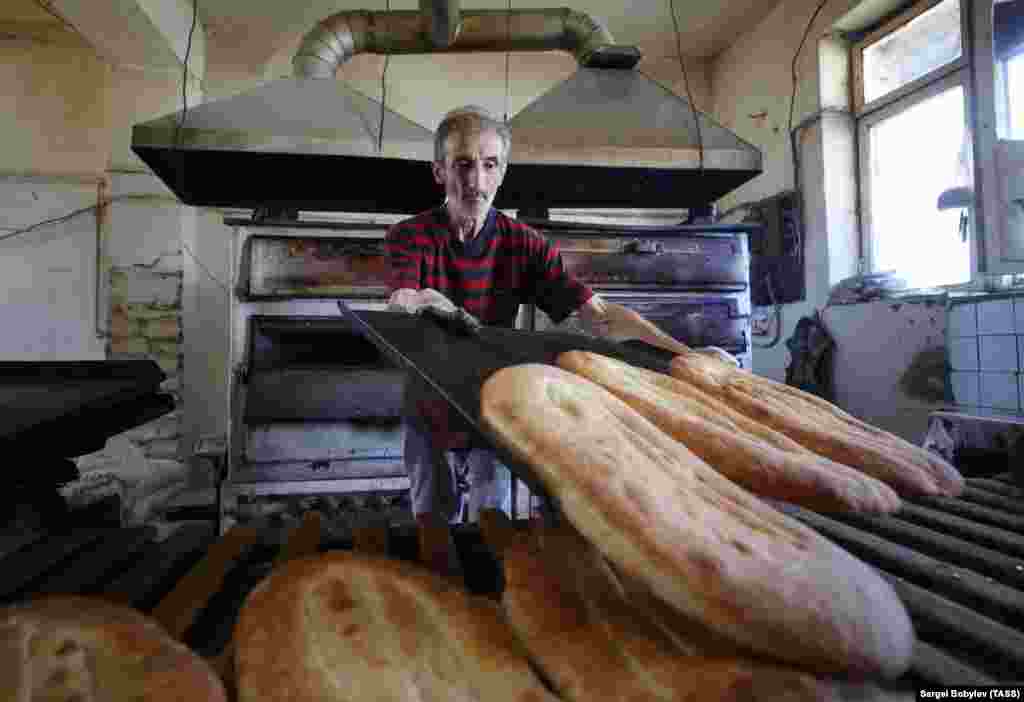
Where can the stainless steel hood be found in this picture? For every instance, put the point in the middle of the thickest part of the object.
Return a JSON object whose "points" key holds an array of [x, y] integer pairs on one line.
{"points": [[606, 137]]}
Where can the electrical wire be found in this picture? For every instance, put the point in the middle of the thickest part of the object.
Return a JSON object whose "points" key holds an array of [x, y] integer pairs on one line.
{"points": [[778, 316], [508, 38], [383, 92], [205, 270], [686, 83], [797, 177], [180, 124], [55, 220]]}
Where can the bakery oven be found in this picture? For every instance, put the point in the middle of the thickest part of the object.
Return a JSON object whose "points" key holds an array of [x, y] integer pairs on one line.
{"points": [[692, 281], [315, 408]]}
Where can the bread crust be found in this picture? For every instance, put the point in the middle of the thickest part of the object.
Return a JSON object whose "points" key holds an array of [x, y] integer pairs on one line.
{"points": [[86, 649], [701, 543], [348, 626], [822, 427], [573, 616], [709, 428]]}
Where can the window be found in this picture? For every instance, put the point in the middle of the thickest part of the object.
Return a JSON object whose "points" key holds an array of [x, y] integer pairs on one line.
{"points": [[1008, 52], [1013, 69], [910, 93]]}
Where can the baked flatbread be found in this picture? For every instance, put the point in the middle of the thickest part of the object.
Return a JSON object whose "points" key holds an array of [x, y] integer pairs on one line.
{"points": [[710, 429], [82, 649], [346, 626], [701, 543], [822, 427], [584, 632]]}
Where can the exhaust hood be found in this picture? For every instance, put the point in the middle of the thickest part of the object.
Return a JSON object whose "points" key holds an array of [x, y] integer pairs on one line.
{"points": [[607, 137]]}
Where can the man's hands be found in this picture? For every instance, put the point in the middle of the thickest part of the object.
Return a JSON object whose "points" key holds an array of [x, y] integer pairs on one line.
{"points": [[431, 303], [617, 323], [414, 301]]}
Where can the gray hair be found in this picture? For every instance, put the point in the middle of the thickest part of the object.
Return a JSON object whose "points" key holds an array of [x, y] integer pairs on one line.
{"points": [[470, 116]]}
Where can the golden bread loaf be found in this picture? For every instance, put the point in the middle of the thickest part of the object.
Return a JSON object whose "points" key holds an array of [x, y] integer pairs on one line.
{"points": [[81, 649], [701, 543], [347, 626], [581, 630], [710, 429], [821, 427]]}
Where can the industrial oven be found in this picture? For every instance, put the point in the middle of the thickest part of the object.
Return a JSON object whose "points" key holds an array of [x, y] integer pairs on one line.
{"points": [[315, 408]]}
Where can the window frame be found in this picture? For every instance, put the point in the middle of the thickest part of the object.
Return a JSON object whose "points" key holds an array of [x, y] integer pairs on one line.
{"points": [[951, 75]]}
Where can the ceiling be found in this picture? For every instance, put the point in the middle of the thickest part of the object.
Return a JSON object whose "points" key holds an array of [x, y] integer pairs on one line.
{"points": [[250, 32]]}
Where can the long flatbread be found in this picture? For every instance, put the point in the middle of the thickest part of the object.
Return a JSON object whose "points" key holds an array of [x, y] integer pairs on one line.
{"points": [[581, 630], [701, 543], [354, 627], [822, 427], [706, 426]]}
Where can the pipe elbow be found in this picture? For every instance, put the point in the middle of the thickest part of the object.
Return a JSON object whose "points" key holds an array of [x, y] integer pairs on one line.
{"points": [[332, 42], [584, 34]]}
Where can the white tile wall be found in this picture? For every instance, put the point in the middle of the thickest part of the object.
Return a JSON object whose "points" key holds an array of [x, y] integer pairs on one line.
{"points": [[999, 390], [963, 320], [963, 353], [996, 317], [965, 388], [986, 354], [998, 353]]}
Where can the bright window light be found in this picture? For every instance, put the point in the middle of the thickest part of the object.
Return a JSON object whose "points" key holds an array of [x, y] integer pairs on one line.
{"points": [[1015, 95], [915, 155]]}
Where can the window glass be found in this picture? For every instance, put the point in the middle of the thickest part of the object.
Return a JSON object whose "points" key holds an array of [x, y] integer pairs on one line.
{"points": [[929, 41], [1012, 112], [915, 155]]}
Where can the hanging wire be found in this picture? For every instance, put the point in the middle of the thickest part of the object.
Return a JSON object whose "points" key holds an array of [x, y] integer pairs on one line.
{"points": [[180, 124], [686, 83], [508, 39], [383, 92], [205, 270], [792, 103], [55, 220]]}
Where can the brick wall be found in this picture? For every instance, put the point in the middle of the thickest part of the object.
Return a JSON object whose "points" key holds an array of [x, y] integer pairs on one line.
{"points": [[143, 465]]}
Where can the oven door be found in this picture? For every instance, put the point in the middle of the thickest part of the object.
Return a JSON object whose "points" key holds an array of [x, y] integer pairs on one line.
{"points": [[694, 318]]}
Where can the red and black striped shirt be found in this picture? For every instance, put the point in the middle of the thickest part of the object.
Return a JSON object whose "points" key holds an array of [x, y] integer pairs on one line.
{"points": [[505, 265]]}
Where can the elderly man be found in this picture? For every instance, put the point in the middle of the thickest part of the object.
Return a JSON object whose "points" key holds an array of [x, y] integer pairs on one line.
{"points": [[466, 254]]}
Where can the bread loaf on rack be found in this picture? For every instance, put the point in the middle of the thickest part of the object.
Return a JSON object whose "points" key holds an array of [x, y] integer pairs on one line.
{"points": [[585, 632], [821, 427], [723, 438], [701, 543], [83, 649], [347, 626]]}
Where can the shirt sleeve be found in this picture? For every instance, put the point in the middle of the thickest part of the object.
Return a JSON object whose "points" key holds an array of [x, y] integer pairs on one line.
{"points": [[404, 258], [557, 292]]}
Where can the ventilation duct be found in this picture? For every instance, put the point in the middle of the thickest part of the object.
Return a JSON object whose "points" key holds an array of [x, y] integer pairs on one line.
{"points": [[607, 137]]}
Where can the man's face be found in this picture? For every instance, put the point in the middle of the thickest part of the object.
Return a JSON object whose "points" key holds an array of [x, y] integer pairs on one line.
{"points": [[473, 168]]}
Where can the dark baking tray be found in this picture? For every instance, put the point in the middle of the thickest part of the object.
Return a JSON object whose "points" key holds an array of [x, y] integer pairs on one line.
{"points": [[457, 366]]}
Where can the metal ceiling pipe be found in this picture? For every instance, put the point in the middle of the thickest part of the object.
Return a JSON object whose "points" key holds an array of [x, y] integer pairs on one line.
{"points": [[444, 20], [339, 37]]}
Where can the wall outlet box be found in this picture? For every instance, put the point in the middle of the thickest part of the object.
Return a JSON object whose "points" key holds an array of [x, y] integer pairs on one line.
{"points": [[760, 324]]}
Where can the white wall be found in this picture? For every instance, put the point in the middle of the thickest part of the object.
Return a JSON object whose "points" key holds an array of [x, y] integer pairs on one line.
{"points": [[48, 295], [751, 91]]}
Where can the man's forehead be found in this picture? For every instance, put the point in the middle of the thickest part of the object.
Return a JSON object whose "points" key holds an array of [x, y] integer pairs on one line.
{"points": [[474, 142]]}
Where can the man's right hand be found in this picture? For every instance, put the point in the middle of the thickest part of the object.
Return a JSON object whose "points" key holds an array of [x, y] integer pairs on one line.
{"points": [[414, 301]]}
